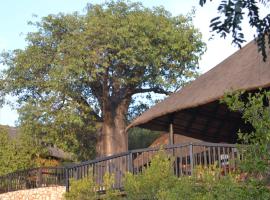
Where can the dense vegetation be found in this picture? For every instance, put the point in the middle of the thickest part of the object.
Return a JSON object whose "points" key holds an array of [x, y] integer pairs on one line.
{"points": [[158, 182], [85, 189], [255, 110], [18, 153]]}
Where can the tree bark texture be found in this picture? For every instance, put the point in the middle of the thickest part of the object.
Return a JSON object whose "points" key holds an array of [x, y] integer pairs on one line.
{"points": [[113, 138]]}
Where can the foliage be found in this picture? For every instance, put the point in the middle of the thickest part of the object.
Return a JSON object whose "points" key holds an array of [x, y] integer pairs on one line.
{"points": [[81, 68], [230, 20], [85, 189], [82, 189], [110, 192], [141, 138], [155, 179], [18, 153], [68, 131], [255, 110], [158, 182]]}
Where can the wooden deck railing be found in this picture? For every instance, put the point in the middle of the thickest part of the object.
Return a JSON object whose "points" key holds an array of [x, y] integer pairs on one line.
{"points": [[187, 158]]}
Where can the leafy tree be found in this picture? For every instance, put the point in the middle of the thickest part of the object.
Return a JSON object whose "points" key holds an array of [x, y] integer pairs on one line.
{"points": [[5, 151], [231, 16], [69, 131], [18, 153], [81, 69], [255, 110]]}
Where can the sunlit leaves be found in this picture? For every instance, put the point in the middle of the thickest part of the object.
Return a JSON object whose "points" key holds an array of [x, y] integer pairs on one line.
{"points": [[255, 110]]}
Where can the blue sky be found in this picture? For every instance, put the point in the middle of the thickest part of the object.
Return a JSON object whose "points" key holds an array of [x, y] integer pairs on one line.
{"points": [[14, 15]]}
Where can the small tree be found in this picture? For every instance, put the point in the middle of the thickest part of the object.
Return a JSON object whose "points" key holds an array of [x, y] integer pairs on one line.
{"points": [[17, 153], [255, 110]]}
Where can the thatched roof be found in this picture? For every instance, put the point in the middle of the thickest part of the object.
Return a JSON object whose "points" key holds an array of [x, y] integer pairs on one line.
{"points": [[199, 101]]}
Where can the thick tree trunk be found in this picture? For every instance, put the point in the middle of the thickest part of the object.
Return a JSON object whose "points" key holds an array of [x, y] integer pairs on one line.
{"points": [[113, 138]]}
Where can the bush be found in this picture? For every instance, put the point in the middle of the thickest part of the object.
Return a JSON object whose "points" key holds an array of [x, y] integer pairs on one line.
{"points": [[86, 189], [17, 153], [158, 182], [83, 189], [255, 111], [159, 176]]}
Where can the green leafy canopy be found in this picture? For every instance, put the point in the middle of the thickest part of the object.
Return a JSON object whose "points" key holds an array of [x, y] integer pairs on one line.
{"points": [[255, 110], [17, 153]]}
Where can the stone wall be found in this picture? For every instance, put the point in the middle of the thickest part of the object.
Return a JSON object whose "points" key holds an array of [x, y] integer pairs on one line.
{"points": [[46, 193]]}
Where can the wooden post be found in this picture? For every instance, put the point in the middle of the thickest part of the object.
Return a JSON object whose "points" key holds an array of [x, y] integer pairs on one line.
{"points": [[67, 179], [39, 177], [130, 163], [171, 139], [191, 158]]}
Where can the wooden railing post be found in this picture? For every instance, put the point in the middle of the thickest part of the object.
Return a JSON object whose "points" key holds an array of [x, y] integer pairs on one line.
{"points": [[39, 177], [67, 179], [130, 163], [191, 157], [9, 181]]}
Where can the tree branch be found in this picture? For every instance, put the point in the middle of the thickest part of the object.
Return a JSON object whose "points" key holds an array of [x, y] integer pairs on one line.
{"points": [[155, 90], [83, 101]]}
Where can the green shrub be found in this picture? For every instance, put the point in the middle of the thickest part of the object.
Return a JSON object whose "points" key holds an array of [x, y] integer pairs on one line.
{"points": [[111, 193], [86, 189], [158, 182], [255, 110], [159, 176], [17, 153], [83, 189]]}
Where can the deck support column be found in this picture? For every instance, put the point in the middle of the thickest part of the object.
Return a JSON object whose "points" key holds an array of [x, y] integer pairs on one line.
{"points": [[171, 138]]}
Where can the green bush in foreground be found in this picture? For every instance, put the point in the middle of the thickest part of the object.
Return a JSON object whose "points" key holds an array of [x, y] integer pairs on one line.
{"points": [[255, 110], [157, 182], [85, 189], [157, 178]]}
